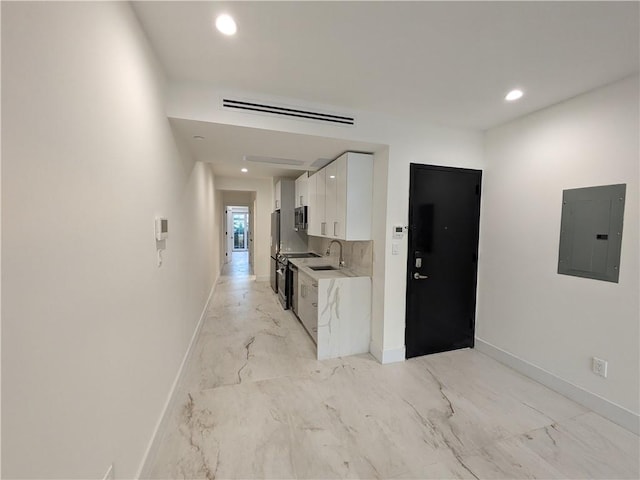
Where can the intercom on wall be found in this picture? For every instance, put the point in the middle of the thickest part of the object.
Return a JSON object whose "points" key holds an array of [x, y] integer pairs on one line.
{"points": [[398, 231]]}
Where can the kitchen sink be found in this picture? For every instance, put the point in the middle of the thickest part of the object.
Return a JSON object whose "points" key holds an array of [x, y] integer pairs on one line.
{"points": [[322, 267]]}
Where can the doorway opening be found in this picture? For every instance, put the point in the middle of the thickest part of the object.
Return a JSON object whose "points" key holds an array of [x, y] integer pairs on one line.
{"points": [[240, 225], [238, 233]]}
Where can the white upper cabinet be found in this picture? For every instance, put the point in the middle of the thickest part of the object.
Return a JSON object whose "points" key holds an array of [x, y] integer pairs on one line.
{"points": [[340, 206], [330, 200], [316, 211], [302, 190], [278, 196]]}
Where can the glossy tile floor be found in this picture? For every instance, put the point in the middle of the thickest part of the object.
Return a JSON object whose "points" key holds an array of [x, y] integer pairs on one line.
{"points": [[239, 264], [255, 403]]}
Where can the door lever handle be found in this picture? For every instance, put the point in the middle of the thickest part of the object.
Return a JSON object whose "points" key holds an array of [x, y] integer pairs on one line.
{"points": [[417, 276]]}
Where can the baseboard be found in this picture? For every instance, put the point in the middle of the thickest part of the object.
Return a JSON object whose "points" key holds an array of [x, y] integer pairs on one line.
{"points": [[162, 424], [616, 413], [375, 350], [262, 278], [387, 356]]}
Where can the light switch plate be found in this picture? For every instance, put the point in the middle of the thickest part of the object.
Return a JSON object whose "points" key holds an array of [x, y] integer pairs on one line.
{"points": [[395, 249]]}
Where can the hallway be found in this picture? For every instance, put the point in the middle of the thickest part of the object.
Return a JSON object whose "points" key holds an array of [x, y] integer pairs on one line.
{"points": [[254, 403], [239, 265]]}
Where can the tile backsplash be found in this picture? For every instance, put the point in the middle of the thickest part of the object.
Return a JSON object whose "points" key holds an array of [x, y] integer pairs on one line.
{"points": [[358, 256]]}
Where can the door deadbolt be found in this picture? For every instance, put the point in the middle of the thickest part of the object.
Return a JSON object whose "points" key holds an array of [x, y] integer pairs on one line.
{"points": [[418, 262]]}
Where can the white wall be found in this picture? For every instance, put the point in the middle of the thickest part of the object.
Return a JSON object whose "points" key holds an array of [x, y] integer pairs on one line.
{"points": [[558, 322], [237, 198], [262, 214], [93, 333], [408, 141]]}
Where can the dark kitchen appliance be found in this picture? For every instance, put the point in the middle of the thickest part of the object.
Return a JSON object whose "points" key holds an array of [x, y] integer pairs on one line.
{"points": [[293, 297], [283, 284], [300, 216], [286, 285]]}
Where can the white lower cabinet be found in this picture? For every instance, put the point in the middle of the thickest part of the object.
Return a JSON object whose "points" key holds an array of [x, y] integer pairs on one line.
{"points": [[308, 304], [337, 313]]}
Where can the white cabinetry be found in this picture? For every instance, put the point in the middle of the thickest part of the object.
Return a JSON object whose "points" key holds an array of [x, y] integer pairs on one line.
{"points": [[335, 309], [316, 211], [302, 189], [330, 200], [278, 196], [307, 289], [313, 225], [343, 194]]}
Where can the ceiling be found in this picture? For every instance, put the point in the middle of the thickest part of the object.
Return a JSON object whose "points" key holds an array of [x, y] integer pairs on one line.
{"points": [[449, 63], [226, 146]]}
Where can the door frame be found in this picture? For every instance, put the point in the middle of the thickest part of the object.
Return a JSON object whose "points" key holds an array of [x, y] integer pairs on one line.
{"points": [[244, 214], [228, 234], [410, 264]]}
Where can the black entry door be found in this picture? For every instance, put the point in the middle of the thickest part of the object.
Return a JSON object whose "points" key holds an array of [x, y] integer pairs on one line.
{"points": [[444, 216]]}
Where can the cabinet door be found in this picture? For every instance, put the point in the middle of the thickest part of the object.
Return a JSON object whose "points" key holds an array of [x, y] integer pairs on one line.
{"points": [[278, 196], [313, 225], [297, 194], [308, 304], [302, 198], [340, 220], [321, 199], [358, 191], [302, 195], [331, 172]]}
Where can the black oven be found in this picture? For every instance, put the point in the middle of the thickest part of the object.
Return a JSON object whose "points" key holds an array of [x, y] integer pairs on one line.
{"points": [[300, 222], [293, 291], [283, 282], [285, 277]]}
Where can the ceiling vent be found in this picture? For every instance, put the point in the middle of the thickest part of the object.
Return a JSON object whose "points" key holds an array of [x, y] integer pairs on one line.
{"points": [[287, 111], [272, 160]]}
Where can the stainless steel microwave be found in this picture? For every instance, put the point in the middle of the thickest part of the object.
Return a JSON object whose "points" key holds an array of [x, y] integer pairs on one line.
{"points": [[300, 222]]}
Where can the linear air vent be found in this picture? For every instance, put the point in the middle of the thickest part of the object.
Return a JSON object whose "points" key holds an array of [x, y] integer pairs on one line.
{"points": [[287, 111], [272, 160]]}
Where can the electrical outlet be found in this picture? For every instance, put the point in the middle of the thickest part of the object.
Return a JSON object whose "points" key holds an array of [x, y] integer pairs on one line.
{"points": [[599, 367], [109, 474]]}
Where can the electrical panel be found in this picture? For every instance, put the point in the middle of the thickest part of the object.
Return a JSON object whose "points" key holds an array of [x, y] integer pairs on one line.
{"points": [[591, 232]]}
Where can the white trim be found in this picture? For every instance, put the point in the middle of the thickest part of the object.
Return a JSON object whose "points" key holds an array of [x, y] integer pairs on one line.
{"points": [[387, 356], [152, 449], [375, 350], [394, 355], [616, 413]]}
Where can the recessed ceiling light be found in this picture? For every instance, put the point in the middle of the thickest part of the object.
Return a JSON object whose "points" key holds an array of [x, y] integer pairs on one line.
{"points": [[198, 137], [244, 170], [332, 176], [226, 24], [513, 95]]}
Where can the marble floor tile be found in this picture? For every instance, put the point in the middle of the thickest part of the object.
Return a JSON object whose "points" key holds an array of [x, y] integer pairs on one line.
{"points": [[587, 443], [509, 459], [255, 403]]}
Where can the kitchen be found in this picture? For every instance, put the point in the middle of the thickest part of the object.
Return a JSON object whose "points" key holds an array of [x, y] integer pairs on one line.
{"points": [[321, 253]]}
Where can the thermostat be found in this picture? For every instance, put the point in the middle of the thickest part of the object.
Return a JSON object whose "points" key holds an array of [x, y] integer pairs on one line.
{"points": [[162, 229], [398, 231]]}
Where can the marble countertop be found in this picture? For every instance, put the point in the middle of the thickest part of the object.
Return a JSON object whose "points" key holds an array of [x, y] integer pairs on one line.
{"points": [[303, 265]]}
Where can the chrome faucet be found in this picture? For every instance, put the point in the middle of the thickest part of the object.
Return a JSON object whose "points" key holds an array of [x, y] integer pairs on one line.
{"points": [[328, 252]]}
